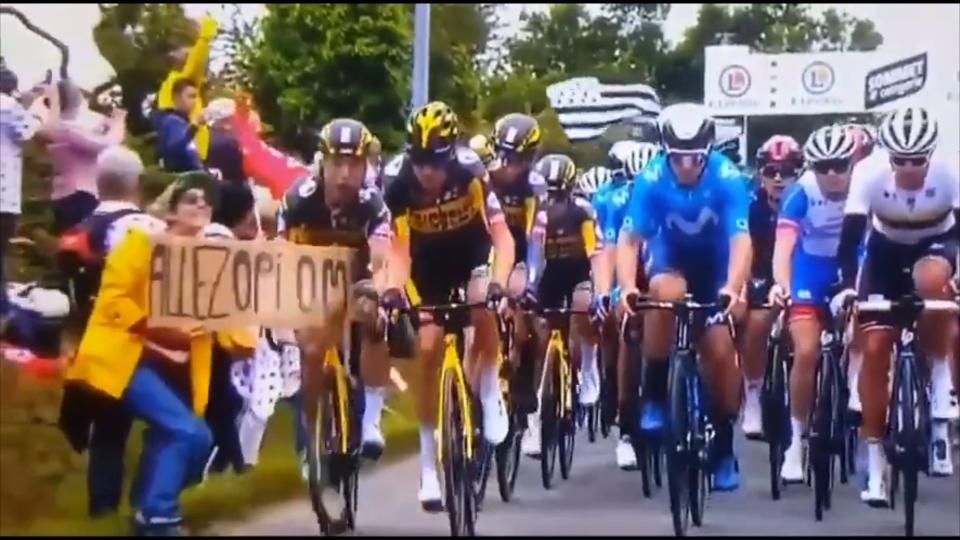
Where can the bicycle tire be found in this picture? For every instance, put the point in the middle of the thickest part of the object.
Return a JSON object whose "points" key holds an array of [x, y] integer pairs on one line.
{"points": [[644, 459], [458, 487], [821, 435], [658, 465], [678, 456], [775, 414], [568, 427], [593, 416], [484, 461], [699, 452], [322, 462], [507, 458], [909, 463], [550, 415]]}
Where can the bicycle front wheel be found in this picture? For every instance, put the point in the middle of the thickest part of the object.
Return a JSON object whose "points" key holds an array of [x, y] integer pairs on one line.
{"points": [[327, 467], [568, 426], [679, 459], [457, 480], [821, 455], [550, 415]]}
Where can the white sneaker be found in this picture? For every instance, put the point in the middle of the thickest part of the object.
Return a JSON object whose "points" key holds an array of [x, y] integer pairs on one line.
{"points": [[752, 413], [876, 493], [941, 458], [530, 443], [589, 386], [626, 457], [943, 402], [495, 421], [792, 470], [372, 442], [429, 494]]}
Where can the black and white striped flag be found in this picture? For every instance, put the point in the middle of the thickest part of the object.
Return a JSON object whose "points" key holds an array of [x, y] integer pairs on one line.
{"points": [[587, 107]]}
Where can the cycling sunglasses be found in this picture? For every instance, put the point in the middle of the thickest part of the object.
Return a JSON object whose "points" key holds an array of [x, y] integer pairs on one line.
{"points": [[679, 158], [915, 161], [786, 171], [838, 166], [430, 159]]}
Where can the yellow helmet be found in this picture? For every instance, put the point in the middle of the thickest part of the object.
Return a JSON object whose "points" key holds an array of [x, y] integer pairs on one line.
{"points": [[432, 132], [558, 171], [345, 136], [483, 147]]}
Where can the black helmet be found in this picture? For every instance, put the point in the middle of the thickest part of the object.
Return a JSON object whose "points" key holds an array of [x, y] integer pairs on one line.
{"points": [[345, 136], [687, 127], [517, 135], [558, 171]]}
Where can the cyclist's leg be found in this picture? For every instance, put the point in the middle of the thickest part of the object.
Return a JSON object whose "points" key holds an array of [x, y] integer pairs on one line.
{"points": [[314, 343], [883, 273], [483, 360], [524, 388], [931, 276], [667, 283], [805, 330], [757, 325], [584, 339], [374, 365]]}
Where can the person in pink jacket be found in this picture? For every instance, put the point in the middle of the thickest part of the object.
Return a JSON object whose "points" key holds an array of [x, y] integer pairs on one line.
{"points": [[76, 138]]}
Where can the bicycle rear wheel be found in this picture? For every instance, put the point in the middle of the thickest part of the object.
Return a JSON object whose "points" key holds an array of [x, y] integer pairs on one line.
{"points": [[457, 478], [679, 459]]}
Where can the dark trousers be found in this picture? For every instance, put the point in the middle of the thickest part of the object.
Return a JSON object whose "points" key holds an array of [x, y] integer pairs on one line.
{"points": [[105, 461], [8, 226], [72, 209], [222, 411]]}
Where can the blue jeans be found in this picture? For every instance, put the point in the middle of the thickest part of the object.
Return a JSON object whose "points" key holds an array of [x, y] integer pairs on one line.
{"points": [[176, 445]]}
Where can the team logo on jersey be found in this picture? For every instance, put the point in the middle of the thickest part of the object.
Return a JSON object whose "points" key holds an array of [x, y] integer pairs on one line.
{"points": [[734, 81], [706, 218], [620, 197], [307, 188]]}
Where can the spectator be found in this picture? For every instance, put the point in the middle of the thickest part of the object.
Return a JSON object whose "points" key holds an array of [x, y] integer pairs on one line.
{"points": [[175, 131], [233, 219], [76, 139], [160, 375], [118, 181], [225, 154], [17, 125]]}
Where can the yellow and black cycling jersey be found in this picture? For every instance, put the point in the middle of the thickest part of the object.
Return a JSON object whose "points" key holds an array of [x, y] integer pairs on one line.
{"points": [[566, 229], [462, 213], [305, 218], [519, 200]]}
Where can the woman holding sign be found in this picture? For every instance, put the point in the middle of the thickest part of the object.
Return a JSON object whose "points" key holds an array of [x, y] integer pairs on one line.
{"points": [[161, 375]]}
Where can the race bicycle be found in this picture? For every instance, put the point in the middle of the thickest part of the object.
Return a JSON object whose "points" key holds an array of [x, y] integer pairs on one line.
{"points": [[908, 435], [775, 397], [333, 454], [689, 432]]}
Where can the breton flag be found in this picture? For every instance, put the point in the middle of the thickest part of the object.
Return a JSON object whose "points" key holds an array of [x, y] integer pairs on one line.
{"points": [[587, 107]]}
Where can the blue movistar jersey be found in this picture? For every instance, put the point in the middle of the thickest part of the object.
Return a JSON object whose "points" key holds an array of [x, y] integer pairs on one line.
{"points": [[601, 199], [706, 214]]}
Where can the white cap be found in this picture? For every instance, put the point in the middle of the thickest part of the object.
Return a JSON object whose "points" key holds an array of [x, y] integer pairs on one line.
{"points": [[120, 161]]}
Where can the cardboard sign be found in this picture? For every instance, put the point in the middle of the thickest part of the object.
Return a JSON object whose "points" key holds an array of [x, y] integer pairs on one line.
{"points": [[231, 283]]}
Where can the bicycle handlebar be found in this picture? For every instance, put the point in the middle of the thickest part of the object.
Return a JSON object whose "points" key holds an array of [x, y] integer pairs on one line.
{"points": [[641, 304], [885, 305]]}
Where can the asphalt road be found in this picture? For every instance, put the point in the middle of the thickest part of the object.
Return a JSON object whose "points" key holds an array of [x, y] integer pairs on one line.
{"points": [[599, 499]]}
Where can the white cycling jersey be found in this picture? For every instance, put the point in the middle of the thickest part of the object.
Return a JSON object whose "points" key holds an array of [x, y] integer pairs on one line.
{"points": [[817, 218], [902, 216]]}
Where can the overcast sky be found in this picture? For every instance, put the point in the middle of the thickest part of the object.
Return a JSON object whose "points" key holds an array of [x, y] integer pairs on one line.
{"points": [[903, 26]]}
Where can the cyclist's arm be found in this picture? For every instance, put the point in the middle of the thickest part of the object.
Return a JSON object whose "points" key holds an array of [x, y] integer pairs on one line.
{"points": [[500, 236], [738, 230], [637, 225], [400, 262], [379, 239], [593, 247], [792, 212], [536, 261], [854, 226]]}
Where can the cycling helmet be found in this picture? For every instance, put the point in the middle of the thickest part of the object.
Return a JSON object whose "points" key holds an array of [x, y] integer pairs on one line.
{"points": [[483, 147], [643, 154], [687, 127], [780, 149], [517, 135], [558, 172], [592, 180], [432, 131], [619, 156], [829, 142], [909, 131], [345, 136]]}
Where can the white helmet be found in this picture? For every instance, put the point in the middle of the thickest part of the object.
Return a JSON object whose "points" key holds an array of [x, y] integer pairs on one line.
{"points": [[592, 180], [829, 142], [628, 158], [687, 127], [909, 131]]}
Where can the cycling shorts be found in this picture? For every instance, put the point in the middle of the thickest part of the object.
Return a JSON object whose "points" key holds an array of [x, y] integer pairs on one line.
{"points": [[704, 271], [888, 269], [559, 280], [436, 272]]}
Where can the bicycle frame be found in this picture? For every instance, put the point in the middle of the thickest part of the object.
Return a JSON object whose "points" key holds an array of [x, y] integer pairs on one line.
{"points": [[453, 367], [333, 362]]}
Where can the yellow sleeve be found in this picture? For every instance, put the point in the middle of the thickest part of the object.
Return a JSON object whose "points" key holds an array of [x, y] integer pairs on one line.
{"points": [[530, 210], [588, 230], [124, 273], [239, 339], [194, 68]]}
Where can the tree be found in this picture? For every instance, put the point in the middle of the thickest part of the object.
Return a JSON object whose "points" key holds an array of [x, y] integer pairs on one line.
{"points": [[458, 36], [137, 39], [311, 63]]}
